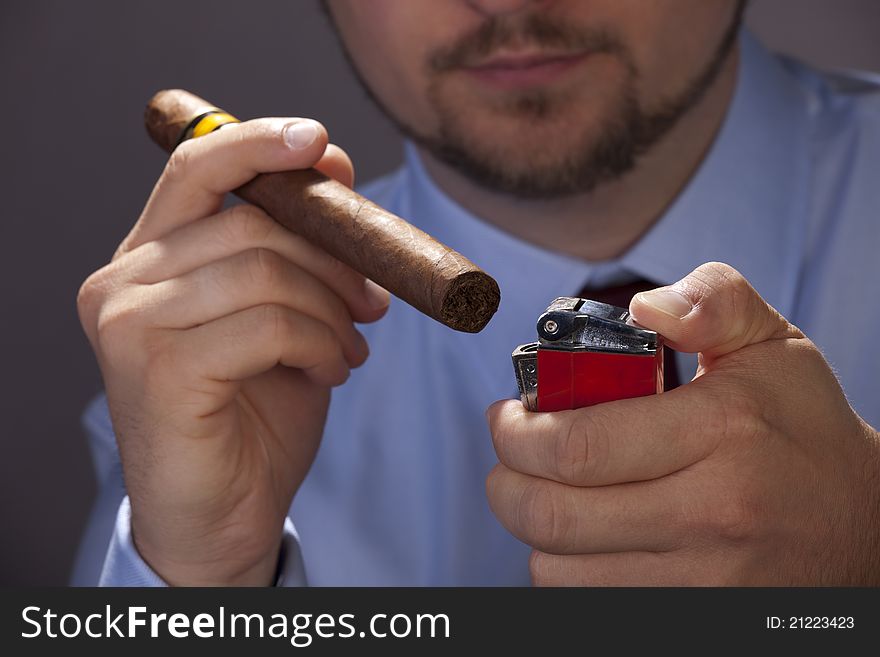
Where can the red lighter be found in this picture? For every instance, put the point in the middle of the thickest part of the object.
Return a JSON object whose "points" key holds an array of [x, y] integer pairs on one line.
{"points": [[588, 352]]}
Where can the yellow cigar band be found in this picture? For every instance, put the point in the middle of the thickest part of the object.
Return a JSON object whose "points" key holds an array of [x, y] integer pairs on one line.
{"points": [[211, 122], [205, 123]]}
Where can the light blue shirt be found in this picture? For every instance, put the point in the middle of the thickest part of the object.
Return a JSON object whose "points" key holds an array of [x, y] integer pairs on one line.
{"points": [[789, 194]]}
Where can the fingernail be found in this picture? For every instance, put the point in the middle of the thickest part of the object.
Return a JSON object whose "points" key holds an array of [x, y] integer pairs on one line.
{"points": [[376, 295], [301, 134], [667, 301]]}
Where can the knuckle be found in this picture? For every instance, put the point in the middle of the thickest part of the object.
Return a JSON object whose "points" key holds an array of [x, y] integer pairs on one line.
{"points": [[246, 224], [541, 567], [742, 417], [340, 315], [740, 291], [265, 267], [741, 302], [492, 483], [735, 519], [332, 347], [579, 452], [88, 298], [722, 284], [180, 162], [542, 518], [810, 356], [719, 274], [502, 440], [327, 356], [116, 326], [730, 518], [726, 297]]}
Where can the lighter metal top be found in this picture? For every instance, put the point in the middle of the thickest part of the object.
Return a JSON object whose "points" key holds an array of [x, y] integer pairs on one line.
{"points": [[571, 324]]}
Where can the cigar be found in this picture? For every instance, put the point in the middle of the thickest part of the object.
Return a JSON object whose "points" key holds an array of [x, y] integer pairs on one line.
{"points": [[407, 262]]}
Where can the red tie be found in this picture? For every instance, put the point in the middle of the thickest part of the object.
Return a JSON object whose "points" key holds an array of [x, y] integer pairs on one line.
{"points": [[620, 296]]}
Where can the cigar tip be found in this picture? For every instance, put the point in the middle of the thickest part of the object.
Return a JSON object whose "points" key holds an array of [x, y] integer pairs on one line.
{"points": [[157, 97], [157, 105], [470, 302]]}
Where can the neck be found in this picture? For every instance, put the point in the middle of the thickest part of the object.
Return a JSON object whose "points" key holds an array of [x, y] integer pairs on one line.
{"points": [[604, 223]]}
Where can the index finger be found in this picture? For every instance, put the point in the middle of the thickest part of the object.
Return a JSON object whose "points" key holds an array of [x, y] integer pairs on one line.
{"points": [[615, 442], [200, 172]]}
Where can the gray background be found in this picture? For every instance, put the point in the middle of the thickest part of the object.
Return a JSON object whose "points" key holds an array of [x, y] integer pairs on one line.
{"points": [[76, 167]]}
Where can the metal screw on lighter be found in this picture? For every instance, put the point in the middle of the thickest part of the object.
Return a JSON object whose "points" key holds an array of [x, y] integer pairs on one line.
{"points": [[551, 327]]}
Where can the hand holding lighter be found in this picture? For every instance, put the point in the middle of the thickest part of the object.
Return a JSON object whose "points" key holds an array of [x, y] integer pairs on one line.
{"points": [[587, 353]]}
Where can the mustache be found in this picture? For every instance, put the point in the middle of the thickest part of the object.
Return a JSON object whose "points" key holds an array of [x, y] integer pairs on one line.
{"points": [[536, 29]]}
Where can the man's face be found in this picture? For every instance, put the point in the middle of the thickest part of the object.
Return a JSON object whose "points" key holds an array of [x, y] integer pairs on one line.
{"points": [[537, 98]]}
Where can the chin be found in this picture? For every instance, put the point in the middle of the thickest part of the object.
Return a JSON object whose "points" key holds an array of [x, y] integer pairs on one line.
{"points": [[528, 140]]}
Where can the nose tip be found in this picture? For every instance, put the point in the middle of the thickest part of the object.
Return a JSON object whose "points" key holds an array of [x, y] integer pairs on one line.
{"points": [[493, 7]]}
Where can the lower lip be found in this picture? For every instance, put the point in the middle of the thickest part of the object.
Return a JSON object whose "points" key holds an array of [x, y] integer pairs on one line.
{"points": [[516, 77]]}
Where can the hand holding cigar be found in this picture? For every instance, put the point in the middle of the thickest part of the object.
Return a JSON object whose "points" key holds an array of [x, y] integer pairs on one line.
{"points": [[220, 334], [409, 263]]}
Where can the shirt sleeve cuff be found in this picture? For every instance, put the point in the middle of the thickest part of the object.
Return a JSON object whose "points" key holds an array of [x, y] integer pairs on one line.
{"points": [[123, 566], [291, 571]]}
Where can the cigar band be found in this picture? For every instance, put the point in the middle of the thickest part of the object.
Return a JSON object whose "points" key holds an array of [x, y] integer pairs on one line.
{"points": [[205, 123]]}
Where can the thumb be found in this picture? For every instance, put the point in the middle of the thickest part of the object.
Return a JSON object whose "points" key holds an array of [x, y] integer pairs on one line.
{"points": [[713, 310]]}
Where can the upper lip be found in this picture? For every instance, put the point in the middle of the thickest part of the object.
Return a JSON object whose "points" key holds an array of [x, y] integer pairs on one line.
{"points": [[522, 59]]}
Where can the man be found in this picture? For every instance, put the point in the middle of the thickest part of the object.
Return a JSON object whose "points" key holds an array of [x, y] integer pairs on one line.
{"points": [[559, 145]]}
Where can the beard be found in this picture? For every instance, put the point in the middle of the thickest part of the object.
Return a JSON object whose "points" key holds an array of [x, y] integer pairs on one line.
{"points": [[563, 154]]}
